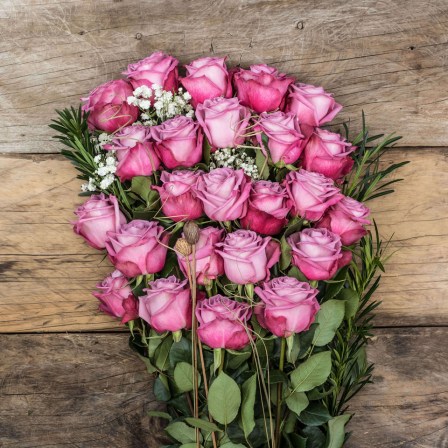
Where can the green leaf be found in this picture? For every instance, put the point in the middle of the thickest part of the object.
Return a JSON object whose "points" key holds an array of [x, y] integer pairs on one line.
{"points": [[336, 284], [162, 354], [285, 258], [180, 351], [191, 445], [315, 438], [232, 445], [249, 391], [306, 339], [183, 377], [329, 318], [224, 399], [293, 348], [262, 164], [295, 272], [159, 414], [206, 147], [336, 431], [202, 424], [312, 373], [161, 388], [351, 301], [181, 432], [315, 414], [297, 402]]}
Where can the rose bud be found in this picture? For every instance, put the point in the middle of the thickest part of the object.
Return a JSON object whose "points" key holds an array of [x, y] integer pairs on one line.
{"points": [[209, 265], [347, 219], [285, 140], [178, 195], [207, 78], [262, 88], [108, 107], [224, 121], [311, 193], [116, 297], [135, 152], [178, 142], [328, 153], [312, 105], [224, 193], [267, 208], [287, 306], [166, 305], [138, 247], [97, 216], [158, 68], [318, 253], [223, 322], [247, 256]]}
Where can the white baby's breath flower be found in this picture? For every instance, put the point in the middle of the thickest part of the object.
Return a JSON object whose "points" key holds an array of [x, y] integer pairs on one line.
{"points": [[132, 100], [236, 159]]}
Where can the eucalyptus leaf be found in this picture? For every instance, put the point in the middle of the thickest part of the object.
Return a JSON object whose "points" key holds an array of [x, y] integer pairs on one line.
{"points": [[224, 399], [312, 373], [329, 318]]}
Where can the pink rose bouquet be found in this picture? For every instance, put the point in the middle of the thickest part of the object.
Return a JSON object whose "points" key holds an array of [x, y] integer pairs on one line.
{"points": [[232, 219]]}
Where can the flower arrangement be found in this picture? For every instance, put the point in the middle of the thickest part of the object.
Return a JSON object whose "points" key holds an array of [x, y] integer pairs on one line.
{"points": [[234, 216]]}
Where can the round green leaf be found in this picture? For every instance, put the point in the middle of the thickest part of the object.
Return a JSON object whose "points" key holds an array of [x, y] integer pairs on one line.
{"points": [[183, 377], [329, 318], [297, 402], [224, 399], [312, 373]]}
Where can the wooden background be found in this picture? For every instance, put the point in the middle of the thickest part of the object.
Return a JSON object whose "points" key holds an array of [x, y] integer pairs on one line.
{"points": [[67, 378]]}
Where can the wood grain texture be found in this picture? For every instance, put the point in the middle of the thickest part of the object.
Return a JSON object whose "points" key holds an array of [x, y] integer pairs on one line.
{"points": [[48, 272], [90, 391], [388, 58]]}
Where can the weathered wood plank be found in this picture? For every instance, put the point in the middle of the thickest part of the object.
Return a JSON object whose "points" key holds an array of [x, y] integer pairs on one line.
{"points": [[91, 391], [388, 58], [48, 272]]}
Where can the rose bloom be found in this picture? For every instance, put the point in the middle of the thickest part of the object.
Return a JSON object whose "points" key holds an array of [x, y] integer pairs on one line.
{"points": [[262, 88], [178, 195], [312, 105], [248, 257], [311, 193], [138, 247], [158, 68], [267, 208], [166, 305], [287, 306], [135, 152], [108, 107], [285, 140], [224, 193], [97, 216], [178, 142], [116, 298], [328, 153], [224, 121], [209, 264], [223, 322], [318, 253], [207, 78], [347, 219]]}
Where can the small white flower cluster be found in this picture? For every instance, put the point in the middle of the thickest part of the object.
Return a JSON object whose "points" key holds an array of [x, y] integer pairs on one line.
{"points": [[234, 158], [166, 104], [106, 163]]}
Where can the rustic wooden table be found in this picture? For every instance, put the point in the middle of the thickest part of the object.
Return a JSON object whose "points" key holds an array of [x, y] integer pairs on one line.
{"points": [[67, 377]]}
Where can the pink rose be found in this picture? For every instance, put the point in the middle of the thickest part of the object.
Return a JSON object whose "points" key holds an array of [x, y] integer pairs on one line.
{"points": [[287, 306], [108, 107], [116, 297], [224, 121], [311, 193], [267, 208], [285, 140], [158, 68], [248, 257], [207, 78], [178, 142], [223, 322], [347, 219], [166, 305], [318, 253], [328, 153], [138, 247], [135, 152], [262, 88], [224, 193], [209, 265], [178, 195], [312, 105], [97, 216]]}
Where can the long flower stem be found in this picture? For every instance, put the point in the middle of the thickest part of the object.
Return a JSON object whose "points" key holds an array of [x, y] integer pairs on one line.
{"points": [[279, 394]]}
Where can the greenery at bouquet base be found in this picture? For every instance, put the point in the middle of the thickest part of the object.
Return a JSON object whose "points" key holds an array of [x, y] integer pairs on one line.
{"points": [[277, 392]]}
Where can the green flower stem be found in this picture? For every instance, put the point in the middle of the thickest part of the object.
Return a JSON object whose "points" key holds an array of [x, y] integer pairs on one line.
{"points": [[279, 394]]}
